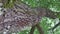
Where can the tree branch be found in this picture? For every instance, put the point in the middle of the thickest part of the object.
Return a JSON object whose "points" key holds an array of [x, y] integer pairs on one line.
{"points": [[40, 29], [32, 30]]}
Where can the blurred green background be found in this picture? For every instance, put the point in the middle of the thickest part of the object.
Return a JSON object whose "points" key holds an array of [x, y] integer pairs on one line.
{"points": [[46, 22]]}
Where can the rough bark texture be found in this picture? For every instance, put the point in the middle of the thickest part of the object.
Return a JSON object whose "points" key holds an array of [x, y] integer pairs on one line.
{"points": [[15, 19]]}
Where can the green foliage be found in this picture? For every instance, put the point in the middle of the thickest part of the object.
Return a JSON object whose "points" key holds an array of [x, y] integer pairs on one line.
{"points": [[34, 3], [46, 23], [9, 3], [24, 32]]}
